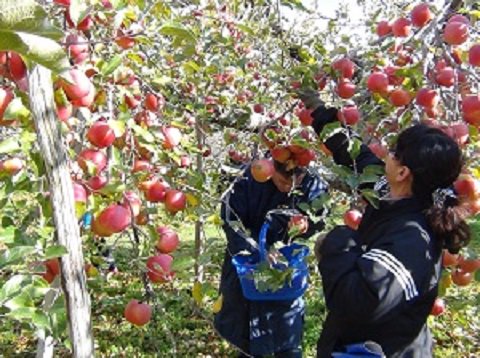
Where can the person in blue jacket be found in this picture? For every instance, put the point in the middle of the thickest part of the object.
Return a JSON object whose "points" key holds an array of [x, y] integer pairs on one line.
{"points": [[381, 281], [259, 328]]}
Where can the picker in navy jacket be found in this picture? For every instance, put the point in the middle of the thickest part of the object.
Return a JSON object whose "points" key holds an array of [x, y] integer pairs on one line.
{"points": [[261, 328], [380, 282]]}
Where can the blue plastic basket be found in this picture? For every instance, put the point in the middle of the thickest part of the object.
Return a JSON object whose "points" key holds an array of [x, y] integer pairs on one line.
{"points": [[295, 255]]}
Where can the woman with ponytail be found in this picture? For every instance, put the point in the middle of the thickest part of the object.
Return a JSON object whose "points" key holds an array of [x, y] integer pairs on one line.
{"points": [[381, 281]]}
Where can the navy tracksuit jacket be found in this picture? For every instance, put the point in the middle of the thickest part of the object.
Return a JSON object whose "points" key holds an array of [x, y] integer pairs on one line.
{"points": [[380, 282], [260, 327]]}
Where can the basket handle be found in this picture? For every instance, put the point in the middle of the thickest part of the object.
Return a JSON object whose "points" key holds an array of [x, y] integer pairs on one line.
{"points": [[263, 240]]}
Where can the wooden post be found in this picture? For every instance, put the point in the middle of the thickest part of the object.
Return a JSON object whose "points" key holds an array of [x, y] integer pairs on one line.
{"points": [[199, 223], [61, 195]]}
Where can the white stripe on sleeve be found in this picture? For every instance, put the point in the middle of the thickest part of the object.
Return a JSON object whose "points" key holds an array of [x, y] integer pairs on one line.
{"points": [[393, 265]]}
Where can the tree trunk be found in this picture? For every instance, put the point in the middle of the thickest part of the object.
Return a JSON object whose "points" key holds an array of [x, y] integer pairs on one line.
{"points": [[61, 195]]}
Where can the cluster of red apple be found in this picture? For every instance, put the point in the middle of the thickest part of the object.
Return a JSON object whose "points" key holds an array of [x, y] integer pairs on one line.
{"points": [[159, 271]]}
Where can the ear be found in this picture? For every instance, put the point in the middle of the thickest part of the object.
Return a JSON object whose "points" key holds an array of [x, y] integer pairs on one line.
{"points": [[403, 174]]}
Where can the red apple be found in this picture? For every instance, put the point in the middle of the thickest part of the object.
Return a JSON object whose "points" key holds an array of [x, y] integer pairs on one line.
{"points": [[299, 222], [262, 170], [427, 97], [96, 158], [175, 201], [53, 265], [114, 219], [79, 193], [449, 259], [85, 101], [378, 82], [474, 55], [79, 87], [461, 278], [172, 136], [345, 89], [348, 115], [304, 158], [6, 96], [345, 67], [258, 108], [77, 47], [352, 218], [468, 265], [445, 77], [467, 187], [159, 268], [455, 33], [18, 70], [401, 27], [400, 97], [421, 15], [97, 182], [151, 102], [471, 109], [138, 313], [167, 240], [132, 201], [101, 134], [378, 149], [305, 116], [11, 166], [280, 154], [438, 307], [459, 18], [156, 192], [383, 28], [141, 165]]}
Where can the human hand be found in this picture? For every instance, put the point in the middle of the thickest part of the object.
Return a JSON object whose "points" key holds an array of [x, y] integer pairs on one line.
{"points": [[297, 225], [310, 98]]}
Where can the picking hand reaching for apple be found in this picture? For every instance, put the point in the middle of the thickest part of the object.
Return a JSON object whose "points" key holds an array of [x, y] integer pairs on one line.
{"points": [[297, 225]]}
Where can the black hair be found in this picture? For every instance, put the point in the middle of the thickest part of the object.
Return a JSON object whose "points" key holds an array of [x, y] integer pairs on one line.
{"points": [[435, 161]]}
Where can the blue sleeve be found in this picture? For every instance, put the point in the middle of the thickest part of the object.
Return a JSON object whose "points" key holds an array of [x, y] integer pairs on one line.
{"points": [[234, 213]]}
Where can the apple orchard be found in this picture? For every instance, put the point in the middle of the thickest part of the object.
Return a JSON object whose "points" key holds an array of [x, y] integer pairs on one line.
{"points": [[122, 122]]}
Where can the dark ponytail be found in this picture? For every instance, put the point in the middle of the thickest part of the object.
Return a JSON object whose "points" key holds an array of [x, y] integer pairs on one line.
{"points": [[435, 161], [448, 225]]}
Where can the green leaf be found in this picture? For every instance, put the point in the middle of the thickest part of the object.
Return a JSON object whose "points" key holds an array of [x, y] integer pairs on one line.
{"points": [[112, 65], [143, 133], [9, 145], [78, 9], [38, 49], [40, 319], [113, 188], [7, 234], [354, 147], [331, 129], [19, 301], [178, 31], [182, 263], [371, 196], [12, 287], [22, 313], [15, 254], [27, 16], [55, 251], [16, 110], [118, 127]]}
